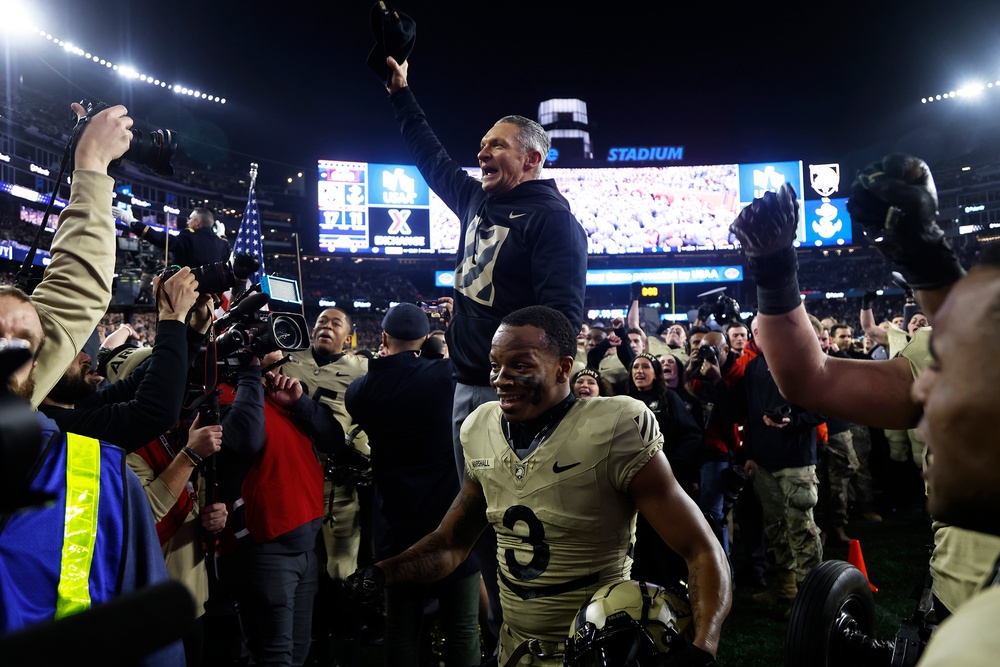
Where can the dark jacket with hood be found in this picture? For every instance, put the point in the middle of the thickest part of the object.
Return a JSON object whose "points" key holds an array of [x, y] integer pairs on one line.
{"points": [[517, 249]]}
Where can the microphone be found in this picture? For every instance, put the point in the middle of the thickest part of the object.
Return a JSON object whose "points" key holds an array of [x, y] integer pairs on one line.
{"points": [[245, 306]]}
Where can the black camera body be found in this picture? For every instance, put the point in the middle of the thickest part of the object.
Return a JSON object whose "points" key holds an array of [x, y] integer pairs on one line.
{"points": [[709, 353], [218, 277], [152, 149], [779, 413]]}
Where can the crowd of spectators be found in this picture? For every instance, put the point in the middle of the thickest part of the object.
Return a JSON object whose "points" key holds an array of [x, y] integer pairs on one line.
{"points": [[639, 210]]}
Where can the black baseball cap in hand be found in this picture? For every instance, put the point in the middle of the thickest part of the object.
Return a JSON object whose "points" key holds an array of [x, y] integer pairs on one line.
{"points": [[395, 33]]}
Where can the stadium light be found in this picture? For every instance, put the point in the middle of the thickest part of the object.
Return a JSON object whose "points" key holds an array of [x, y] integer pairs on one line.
{"points": [[17, 18], [972, 90]]}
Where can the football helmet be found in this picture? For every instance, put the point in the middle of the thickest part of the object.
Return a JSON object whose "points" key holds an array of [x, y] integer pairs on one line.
{"points": [[626, 624]]}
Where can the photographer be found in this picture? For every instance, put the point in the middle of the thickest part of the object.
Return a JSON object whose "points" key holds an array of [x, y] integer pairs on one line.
{"points": [[278, 478], [146, 403], [712, 378], [76, 289], [167, 469], [196, 245]]}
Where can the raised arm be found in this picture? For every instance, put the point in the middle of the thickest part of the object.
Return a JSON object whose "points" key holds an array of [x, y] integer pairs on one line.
{"points": [[76, 289], [868, 323], [864, 392]]}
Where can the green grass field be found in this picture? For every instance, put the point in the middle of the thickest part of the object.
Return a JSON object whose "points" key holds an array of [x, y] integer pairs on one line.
{"points": [[896, 554]]}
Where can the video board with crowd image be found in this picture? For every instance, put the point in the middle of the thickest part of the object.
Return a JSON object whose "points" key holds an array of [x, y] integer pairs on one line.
{"points": [[389, 208]]}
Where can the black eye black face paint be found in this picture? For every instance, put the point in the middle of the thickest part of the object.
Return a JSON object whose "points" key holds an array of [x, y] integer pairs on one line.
{"points": [[532, 387]]}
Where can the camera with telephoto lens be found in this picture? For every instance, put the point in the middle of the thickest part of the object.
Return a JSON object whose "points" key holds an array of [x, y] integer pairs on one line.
{"points": [[152, 149], [218, 277]]}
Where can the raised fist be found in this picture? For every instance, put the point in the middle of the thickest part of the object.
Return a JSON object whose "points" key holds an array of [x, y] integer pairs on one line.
{"points": [[895, 202], [768, 225], [893, 196]]}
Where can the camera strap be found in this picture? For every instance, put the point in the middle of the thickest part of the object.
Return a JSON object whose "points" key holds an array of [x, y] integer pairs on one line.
{"points": [[23, 279]]}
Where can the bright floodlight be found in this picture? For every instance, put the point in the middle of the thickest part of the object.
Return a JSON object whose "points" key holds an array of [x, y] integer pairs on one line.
{"points": [[974, 89], [16, 17]]}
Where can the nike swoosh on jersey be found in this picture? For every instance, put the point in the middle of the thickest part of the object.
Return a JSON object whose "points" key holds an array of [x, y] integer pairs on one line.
{"points": [[517, 215], [342, 375], [556, 468]]}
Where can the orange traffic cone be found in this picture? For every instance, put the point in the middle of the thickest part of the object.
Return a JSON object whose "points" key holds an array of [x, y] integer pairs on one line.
{"points": [[855, 558]]}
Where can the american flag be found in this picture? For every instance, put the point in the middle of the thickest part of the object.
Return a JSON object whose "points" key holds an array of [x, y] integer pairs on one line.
{"points": [[250, 240]]}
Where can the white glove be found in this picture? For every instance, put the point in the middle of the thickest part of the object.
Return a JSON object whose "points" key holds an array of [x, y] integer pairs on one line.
{"points": [[124, 215]]}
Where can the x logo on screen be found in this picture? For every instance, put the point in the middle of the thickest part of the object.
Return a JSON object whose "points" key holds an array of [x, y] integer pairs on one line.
{"points": [[399, 217]]}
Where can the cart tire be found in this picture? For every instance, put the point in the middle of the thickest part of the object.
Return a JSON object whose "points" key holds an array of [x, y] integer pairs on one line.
{"points": [[832, 590]]}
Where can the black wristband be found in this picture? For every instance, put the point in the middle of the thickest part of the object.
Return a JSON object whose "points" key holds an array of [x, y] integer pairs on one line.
{"points": [[777, 282], [192, 455], [934, 267], [781, 299]]}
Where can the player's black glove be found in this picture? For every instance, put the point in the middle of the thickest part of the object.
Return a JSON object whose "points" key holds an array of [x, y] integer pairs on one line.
{"points": [[766, 229], [687, 656], [635, 291], [366, 587], [895, 202], [868, 299]]}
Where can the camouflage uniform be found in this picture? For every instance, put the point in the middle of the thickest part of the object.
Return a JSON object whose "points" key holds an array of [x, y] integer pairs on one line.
{"points": [[787, 497], [842, 465]]}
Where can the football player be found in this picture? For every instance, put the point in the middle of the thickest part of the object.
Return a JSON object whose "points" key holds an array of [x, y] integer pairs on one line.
{"points": [[560, 481]]}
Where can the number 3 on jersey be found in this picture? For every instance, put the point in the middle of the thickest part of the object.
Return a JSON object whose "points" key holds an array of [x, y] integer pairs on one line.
{"points": [[535, 537]]}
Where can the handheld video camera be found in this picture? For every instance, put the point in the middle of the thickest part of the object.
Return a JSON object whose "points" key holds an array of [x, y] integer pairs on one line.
{"points": [[246, 328], [724, 308]]}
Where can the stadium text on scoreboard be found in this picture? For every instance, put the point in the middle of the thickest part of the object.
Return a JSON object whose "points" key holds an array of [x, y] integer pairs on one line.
{"points": [[646, 154]]}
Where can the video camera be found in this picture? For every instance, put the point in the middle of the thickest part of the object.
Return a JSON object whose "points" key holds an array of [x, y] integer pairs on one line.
{"points": [[152, 149], [246, 328], [246, 331]]}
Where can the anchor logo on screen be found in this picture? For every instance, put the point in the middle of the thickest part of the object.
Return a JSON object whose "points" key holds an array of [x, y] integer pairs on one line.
{"points": [[399, 224]]}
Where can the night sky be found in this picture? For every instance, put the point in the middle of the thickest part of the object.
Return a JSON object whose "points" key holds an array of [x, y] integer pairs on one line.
{"points": [[767, 81]]}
